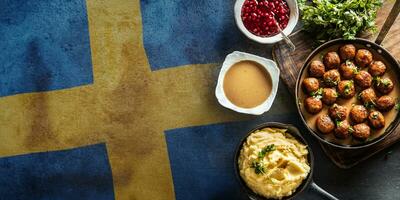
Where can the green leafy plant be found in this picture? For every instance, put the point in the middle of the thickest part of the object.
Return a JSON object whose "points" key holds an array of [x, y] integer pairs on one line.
{"points": [[329, 19]]}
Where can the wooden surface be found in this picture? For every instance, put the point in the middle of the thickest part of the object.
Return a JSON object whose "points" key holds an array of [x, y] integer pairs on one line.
{"points": [[291, 62]]}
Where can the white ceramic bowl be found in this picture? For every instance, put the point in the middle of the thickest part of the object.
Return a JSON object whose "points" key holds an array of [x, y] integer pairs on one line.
{"points": [[293, 18], [268, 64]]}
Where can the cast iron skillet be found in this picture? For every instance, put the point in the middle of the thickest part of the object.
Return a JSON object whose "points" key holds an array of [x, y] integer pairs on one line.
{"points": [[370, 45], [308, 182], [394, 65]]}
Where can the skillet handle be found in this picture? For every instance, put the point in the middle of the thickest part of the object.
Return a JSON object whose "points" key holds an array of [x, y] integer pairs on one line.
{"points": [[322, 192], [389, 22]]}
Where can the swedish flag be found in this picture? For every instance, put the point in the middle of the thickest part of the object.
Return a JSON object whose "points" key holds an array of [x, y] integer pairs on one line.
{"points": [[114, 99]]}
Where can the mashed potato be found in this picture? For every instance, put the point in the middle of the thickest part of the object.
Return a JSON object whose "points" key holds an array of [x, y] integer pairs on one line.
{"points": [[273, 163]]}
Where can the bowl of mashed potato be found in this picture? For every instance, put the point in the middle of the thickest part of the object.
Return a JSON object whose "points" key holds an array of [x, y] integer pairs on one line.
{"points": [[273, 161]]}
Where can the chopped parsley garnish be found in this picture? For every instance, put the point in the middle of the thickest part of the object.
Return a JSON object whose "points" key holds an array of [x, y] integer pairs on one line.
{"points": [[353, 67], [317, 94], [351, 130], [265, 150], [369, 104], [384, 81], [339, 123], [257, 164], [377, 80], [347, 91], [258, 167], [348, 87], [329, 81], [356, 70], [375, 115], [359, 96]]}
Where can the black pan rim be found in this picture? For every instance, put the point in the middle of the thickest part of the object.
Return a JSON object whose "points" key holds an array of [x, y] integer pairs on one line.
{"points": [[295, 132], [389, 58]]}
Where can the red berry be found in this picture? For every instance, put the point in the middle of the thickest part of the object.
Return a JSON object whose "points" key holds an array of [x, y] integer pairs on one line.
{"points": [[258, 16]]}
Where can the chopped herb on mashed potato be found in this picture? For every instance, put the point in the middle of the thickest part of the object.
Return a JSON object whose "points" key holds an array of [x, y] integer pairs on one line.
{"points": [[273, 163]]}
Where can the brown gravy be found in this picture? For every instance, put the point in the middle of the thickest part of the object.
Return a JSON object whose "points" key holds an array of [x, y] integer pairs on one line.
{"points": [[389, 116], [247, 84]]}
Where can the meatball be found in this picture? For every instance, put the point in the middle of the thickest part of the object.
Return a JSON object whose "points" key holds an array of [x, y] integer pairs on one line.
{"points": [[331, 60], [347, 51], [317, 69], [368, 97], [376, 119], [348, 70], [363, 57], [363, 79], [329, 96], [337, 112], [310, 84], [361, 131], [385, 103], [346, 89], [325, 124], [377, 68], [384, 85], [313, 105], [331, 77], [342, 129], [358, 113]]}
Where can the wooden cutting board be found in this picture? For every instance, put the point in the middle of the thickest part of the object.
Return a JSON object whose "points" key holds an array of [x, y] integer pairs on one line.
{"points": [[291, 62]]}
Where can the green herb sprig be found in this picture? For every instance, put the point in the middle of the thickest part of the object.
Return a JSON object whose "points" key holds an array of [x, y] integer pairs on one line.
{"points": [[370, 104], [397, 106], [258, 167], [351, 130], [317, 94], [374, 116], [258, 164], [385, 82], [329, 19], [265, 150], [329, 81], [353, 67], [381, 81], [348, 87]]}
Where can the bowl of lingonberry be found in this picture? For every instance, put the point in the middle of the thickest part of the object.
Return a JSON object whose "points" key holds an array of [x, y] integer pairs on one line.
{"points": [[259, 19]]}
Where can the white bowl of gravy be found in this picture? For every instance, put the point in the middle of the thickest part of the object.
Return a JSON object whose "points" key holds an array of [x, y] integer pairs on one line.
{"points": [[247, 83]]}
